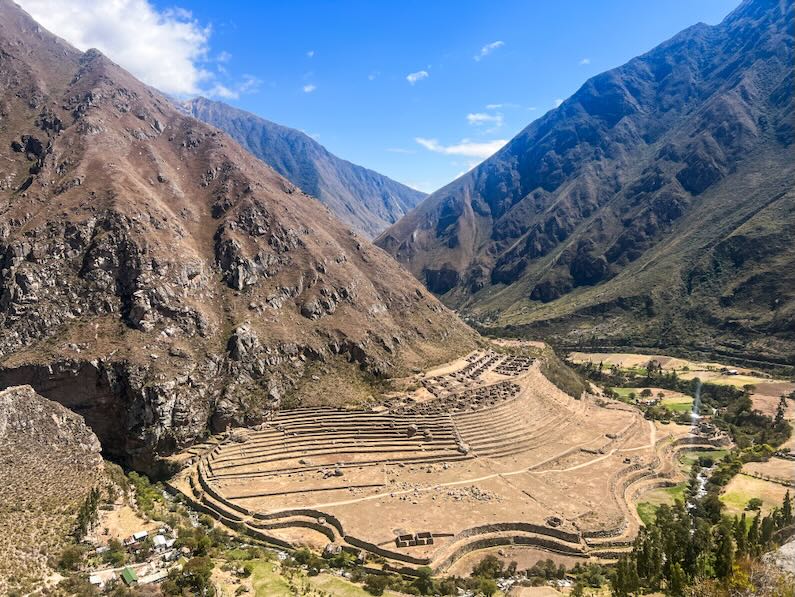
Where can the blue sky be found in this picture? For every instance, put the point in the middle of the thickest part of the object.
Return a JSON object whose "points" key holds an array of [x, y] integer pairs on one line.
{"points": [[420, 91]]}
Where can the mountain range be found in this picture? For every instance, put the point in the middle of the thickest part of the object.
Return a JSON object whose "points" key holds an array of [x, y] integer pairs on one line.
{"points": [[365, 200], [654, 208], [163, 283]]}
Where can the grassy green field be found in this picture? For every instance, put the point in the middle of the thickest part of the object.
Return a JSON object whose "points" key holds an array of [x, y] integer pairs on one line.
{"points": [[625, 392], [678, 404], [742, 488], [657, 497], [268, 580], [688, 458]]}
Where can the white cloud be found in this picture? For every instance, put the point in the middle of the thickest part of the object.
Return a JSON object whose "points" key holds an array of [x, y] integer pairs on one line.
{"points": [[222, 91], [309, 88], [399, 150], [465, 148], [223, 56], [249, 84], [488, 49], [558, 102], [165, 49], [481, 118], [310, 54], [585, 61], [532, 108], [418, 76], [493, 106]]}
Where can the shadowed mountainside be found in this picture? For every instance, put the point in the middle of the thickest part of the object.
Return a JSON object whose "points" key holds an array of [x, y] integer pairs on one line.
{"points": [[363, 199], [653, 208], [162, 282]]}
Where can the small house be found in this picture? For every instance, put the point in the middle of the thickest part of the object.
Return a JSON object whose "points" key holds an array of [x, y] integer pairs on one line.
{"points": [[129, 577]]}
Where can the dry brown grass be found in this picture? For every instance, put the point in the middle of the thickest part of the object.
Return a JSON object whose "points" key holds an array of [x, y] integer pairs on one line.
{"points": [[49, 461]]}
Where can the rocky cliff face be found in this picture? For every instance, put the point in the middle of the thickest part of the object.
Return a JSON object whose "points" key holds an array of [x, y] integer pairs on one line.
{"points": [[365, 200], [652, 207], [158, 279]]}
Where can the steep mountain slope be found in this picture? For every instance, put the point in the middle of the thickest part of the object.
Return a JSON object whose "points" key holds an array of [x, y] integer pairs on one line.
{"points": [[363, 199], [44, 448], [655, 207], [158, 279]]}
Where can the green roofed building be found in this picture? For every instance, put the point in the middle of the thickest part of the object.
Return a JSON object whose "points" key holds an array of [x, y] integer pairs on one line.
{"points": [[128, 576]]}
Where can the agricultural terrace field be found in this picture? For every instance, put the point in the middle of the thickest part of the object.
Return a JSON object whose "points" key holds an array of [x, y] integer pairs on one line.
{"points": [[482, 452]]}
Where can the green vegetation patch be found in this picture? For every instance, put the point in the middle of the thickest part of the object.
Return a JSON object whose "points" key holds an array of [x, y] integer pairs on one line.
{"points": [[691, 457], [647, 513], [679, 404]]}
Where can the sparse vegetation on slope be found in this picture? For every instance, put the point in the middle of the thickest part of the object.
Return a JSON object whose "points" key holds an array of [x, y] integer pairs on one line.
{"points": [[653, 208]]}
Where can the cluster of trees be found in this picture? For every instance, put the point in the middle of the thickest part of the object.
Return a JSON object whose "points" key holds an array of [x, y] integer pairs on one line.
{"points": [[87, 515], [685, 546], [733, 407]]}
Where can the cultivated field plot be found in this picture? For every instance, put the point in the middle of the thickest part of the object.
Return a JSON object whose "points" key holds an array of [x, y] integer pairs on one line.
{"points": [[484, 452]]}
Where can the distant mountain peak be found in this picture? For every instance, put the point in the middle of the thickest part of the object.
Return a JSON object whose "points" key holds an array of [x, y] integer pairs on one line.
{"points": [[364, 199]]}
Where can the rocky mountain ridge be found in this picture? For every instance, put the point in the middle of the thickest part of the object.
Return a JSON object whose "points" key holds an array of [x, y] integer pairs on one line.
{"points": [[365, 200], [651, 209], [162, 282]]}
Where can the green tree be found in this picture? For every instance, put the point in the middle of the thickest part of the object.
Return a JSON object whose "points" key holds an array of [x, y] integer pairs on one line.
{"points": [[780, 412], [424, 580], [741, 534], [193, 579], [724, 555], [786, 509], [625, 580], [489, 567], [376, 584], [754, 504], [487, 586], [71, 557], [678, 581], [755, 536]]}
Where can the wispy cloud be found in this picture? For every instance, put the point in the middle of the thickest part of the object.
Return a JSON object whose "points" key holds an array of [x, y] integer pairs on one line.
{"points": [[488, 49], [309, 88], [558, 102], [481, 118], [399, 150], [249, 84], [532, 108], [164, 48], [412, 78], [373, 76], [464, 148], [585, 61], [310, 54], [423, 186]]}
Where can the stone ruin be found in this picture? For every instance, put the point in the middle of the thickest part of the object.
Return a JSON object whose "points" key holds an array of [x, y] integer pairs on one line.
{"points": [[415, 540]]}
